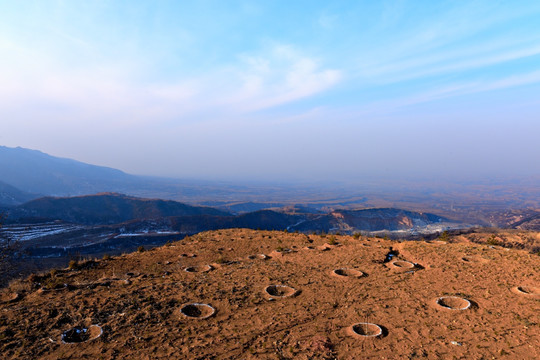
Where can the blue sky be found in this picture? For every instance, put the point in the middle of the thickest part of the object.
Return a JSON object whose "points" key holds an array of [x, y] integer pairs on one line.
{"points": [[276, 90]]}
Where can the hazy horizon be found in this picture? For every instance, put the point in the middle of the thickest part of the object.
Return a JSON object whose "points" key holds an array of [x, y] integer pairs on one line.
{"points": [[276, 91]]}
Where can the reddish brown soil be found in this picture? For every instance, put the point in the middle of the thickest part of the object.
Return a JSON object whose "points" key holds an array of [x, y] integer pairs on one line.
{"points": [[137, 300], [517, 239]]}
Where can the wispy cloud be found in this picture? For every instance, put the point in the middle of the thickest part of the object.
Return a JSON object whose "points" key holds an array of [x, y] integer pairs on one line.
{"points": [[449, 91], [451, 62], [459, 40], [277, 77]]}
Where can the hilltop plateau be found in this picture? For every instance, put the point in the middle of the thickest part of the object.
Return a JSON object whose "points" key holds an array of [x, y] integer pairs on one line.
{"points": [[148, 304], [50, 231]]}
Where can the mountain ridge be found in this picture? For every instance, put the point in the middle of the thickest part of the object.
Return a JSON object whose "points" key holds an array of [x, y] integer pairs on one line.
{"points": [[10, 195], [36, 172], [105, 208]]}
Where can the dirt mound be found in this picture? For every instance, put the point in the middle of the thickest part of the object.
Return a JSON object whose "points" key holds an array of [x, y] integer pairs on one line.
{"points": [[458, 300]]}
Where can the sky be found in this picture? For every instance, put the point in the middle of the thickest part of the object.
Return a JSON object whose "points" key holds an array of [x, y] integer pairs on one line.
{"points": [[276, 90]]}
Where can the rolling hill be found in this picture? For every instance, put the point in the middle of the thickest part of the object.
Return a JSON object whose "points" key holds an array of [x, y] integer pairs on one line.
{"points": [[10, 195], [106, 208]]}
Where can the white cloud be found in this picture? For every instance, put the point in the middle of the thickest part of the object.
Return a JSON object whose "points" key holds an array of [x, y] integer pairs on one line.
{"points": [[111, 95], [280, 76]]}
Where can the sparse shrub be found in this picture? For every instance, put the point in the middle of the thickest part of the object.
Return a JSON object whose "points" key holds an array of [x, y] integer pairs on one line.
{"points": [[332, 240], [106, 257], [357, 235], [141, 249], [492, 240], [53, 283], [444, 236], [73, 265], [33, 278]]}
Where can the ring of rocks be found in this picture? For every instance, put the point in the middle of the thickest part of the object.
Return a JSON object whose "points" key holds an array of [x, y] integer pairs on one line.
{"points": [[453, 303], [197, 311]]}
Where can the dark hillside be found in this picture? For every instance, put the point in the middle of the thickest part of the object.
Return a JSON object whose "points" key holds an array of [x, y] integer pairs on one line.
{"points": [[10, 195], [104, 209]]}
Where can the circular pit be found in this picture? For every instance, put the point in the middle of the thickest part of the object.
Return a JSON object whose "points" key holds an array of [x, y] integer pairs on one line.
{"points": [[348, 273], [197, 311], [80, 334], [453, 303], [280, 291], [402, 264], [527, 290], [365, 330], [199, 268]]}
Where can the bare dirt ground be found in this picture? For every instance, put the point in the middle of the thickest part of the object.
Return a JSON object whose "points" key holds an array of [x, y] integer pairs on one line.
{"points": [[517, 239], [137, 300]]}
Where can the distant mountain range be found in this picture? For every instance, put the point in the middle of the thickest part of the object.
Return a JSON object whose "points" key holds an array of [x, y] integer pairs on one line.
{"points": [[58, 227], [112, 208], [349, 221], [10, 195], [35, 172], [105, 208], [28, 174]]}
